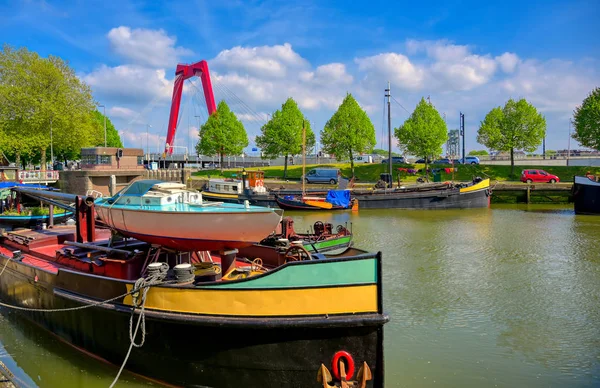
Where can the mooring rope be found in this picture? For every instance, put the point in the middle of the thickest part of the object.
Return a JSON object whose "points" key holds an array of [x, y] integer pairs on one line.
{"points": [[156, 276]]}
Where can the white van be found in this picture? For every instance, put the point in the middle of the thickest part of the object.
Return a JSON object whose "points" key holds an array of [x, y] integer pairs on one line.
{"points": [[363, 159]]}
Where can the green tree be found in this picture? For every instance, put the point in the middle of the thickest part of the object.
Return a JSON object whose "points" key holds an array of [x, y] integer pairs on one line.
{"points": [[384, 153], [112, 135], [282, 135], [43, 105], [587, 121], [516, 126], [423, 133], [478, 153], [222, 134], [348, 131]]}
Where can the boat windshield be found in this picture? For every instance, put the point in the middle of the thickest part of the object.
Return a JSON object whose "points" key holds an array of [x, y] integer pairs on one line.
{"points": [[135, 189]]}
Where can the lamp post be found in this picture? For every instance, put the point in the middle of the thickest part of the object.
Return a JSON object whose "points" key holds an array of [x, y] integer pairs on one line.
{"points": [[147, 141], [104, 108], [51, 147], [569, 144]]}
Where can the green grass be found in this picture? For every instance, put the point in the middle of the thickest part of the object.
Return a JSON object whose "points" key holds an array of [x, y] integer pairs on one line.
{"points": [[370, 172], [35, 211]]}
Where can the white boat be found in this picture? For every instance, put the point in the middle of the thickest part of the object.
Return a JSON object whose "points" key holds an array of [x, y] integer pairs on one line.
{"points": [[170, 215]]}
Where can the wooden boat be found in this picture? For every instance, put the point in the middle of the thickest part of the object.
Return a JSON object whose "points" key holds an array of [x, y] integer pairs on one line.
{"points": [[340, 201], [448, 195], [168, 214], [226, 323], [586, 194], [246, 186]]}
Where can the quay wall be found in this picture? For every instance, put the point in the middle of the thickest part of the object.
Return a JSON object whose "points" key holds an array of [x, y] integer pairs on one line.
{"points": [[109, 182]]}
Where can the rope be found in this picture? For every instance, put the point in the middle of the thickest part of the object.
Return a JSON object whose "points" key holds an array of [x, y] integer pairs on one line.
{"points": [[156, 277]]}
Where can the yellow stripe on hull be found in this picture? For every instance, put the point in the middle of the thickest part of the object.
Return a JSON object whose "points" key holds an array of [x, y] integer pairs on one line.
{"points": [[245, 303], [216, 195], [484, 184]]}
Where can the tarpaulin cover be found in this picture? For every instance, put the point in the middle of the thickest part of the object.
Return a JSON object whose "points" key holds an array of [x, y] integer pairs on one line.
{"points": [[338, 197]]}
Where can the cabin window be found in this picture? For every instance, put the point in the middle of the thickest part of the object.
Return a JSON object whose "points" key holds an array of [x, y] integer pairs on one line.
{"points": [[169, 199], [218, 187], [140, 160], [95, 159], [147, 201]]}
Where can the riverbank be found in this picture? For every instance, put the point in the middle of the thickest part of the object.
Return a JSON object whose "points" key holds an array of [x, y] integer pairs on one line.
{"points": [[369, 173]]}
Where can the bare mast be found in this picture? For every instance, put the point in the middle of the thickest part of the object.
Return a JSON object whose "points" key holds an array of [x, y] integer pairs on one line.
{"points": [[388, 94]]}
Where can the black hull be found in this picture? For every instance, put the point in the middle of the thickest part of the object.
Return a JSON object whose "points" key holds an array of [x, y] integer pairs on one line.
{"points": [[286, 204], [253, 199], [191, 350], [586, 196], [439, 199]]}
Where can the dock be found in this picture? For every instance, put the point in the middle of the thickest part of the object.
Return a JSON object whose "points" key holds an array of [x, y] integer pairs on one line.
{"points": [[513, 192]]}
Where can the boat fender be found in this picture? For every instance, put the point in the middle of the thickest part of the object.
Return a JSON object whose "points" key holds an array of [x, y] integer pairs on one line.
{"points": [[335, 364]]}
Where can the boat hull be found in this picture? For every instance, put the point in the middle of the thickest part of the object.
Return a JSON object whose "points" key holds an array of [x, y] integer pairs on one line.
{"points": [[287, 204], [196, 349], [586, 196], [30, 221], [477, 196], [266, 200], [191, 231]]}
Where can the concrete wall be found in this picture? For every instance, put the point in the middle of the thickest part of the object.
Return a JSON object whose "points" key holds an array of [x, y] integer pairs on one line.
{"points": [[109, 182], [592, 162]]}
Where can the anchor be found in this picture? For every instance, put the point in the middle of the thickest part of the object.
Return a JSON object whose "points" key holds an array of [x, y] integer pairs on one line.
{"points": [[364, 374]]}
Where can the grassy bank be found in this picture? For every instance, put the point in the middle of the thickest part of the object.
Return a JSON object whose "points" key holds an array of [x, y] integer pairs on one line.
{"points": [[370, 172]]}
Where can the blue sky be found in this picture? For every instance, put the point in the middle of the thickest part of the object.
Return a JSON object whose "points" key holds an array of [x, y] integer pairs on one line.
{"points": [[467, 55]]}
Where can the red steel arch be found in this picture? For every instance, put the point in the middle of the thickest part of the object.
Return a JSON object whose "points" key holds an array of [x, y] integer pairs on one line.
{"points": [[183, 72]]}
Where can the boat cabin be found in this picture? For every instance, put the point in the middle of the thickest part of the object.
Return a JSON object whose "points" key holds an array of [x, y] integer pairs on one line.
{"points": [[254, 180], [156, 193]]}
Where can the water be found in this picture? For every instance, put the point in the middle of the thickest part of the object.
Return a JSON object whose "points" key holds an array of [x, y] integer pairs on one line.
{"points": [[502, 297]]}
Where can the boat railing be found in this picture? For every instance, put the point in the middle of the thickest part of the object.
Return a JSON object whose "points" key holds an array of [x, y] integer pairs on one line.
{"points": [[29, 176]]}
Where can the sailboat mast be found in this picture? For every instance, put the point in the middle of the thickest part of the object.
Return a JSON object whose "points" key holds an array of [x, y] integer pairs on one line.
{"points": [[389, 95], [303, 158]]}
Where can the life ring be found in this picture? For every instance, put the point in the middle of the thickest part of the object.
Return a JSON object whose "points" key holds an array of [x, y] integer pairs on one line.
{"points": [[335, 364]]}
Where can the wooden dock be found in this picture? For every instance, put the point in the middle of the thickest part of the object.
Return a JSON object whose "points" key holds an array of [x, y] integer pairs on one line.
{"points": [[513, 192]]}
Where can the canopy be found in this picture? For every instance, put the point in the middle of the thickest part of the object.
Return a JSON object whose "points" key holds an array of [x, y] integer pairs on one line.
{"points": [[338, 197], [139, 188]]}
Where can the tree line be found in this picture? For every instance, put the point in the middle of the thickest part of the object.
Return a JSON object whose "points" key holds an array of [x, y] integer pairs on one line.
{"points": [[515, 126], [45, 107]]}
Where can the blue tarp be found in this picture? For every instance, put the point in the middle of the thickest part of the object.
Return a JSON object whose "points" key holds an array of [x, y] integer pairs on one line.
{"points": [[338, 197]]}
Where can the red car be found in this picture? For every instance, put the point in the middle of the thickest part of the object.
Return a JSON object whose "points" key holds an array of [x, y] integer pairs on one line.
{"points": [[529, 176]]}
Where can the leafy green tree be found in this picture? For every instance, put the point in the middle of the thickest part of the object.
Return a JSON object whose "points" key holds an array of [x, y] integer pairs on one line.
{"points": [[42, 104], [348, 131], [423, 133], [282, 135], [478, 153], [587, 121], [384, 153], [112, 135], [516, 126], [222, 134]]}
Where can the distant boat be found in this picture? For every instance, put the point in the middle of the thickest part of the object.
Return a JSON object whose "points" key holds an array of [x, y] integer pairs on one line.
{"points": [[24, 218], [586, 195], [335, 200], [168, 214]]}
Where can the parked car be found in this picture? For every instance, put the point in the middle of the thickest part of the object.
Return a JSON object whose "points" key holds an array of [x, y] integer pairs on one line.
{"points": [[442, 161], [529, 176], [323, 175], [423, 160], [457, 161], [395, 160], [471, 160]]}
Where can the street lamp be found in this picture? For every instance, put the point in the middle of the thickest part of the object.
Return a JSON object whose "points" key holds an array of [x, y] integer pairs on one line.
{"points": [[569, 143], [147, 141], [102, 106]]}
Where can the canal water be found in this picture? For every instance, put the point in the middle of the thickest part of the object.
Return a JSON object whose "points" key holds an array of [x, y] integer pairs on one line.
{"points": [[501, 297]]}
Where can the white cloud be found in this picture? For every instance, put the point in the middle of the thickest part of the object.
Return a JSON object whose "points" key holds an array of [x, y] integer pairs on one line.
{"points": [[327, 74], [121, 112], [508, 62], [131, 83], [272, 60], [152, 48], [394, 67]]}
